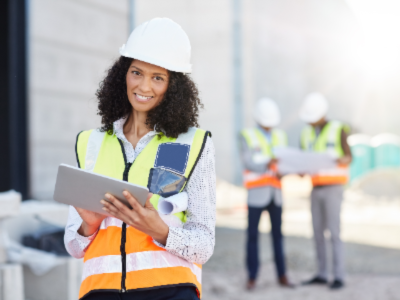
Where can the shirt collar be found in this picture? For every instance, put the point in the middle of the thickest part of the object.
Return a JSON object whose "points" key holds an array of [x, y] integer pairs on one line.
{"points": [[118, 129]]}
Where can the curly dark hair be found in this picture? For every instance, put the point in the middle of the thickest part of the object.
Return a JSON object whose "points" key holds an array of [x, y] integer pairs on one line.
{"points": [[174, 115]]}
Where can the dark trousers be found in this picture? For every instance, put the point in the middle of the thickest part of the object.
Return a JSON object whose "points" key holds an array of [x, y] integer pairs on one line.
{"points": [[169, 293], [275, 214]]}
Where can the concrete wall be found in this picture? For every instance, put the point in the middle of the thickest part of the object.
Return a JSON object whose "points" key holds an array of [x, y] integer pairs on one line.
{"points": [[71, 45], [301, 46]]}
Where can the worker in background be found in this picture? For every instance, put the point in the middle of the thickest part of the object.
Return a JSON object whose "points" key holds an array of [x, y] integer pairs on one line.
{"points": [[264, 186], [326, 136]]}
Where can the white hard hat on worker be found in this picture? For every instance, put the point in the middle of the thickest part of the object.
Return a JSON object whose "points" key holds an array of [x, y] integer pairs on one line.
{"points": [[160, 42], [266, 113], [314, 108]]}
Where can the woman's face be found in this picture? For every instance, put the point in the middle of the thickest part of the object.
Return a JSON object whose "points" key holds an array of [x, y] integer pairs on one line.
{"points": [[146, 85]]}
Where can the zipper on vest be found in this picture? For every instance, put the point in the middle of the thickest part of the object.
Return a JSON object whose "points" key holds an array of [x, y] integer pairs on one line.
{"points": [[123, 257], [123, 235]]}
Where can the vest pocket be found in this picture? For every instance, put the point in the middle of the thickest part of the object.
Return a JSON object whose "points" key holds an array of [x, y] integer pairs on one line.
{"points": [[164, 182]]}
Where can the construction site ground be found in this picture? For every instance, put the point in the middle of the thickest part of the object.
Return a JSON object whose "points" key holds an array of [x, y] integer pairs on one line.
{"points": [[370, 230]]}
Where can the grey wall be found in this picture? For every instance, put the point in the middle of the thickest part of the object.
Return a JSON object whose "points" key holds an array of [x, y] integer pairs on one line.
{"points": [[71, 45]]}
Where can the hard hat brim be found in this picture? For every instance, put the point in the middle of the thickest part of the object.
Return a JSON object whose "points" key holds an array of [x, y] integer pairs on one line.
{"points": [[311, 118], [269, 123], [187, 69]]}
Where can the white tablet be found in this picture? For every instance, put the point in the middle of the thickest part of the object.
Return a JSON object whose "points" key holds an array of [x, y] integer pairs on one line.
{"points": [[85, 189]]}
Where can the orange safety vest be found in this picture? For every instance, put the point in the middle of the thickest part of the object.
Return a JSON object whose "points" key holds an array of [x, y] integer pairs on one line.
{"points": [[122, 258], [262, 151]]}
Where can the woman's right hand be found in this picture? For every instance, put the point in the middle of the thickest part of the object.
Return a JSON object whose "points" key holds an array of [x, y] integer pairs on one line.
{"points": [[91, 221]]}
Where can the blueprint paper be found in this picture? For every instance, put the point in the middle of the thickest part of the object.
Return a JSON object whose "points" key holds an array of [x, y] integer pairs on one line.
{"points": [[296, 161], [173, 204]]}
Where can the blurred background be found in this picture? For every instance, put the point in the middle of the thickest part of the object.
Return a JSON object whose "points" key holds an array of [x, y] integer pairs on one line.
{"points": [[55, 53]]}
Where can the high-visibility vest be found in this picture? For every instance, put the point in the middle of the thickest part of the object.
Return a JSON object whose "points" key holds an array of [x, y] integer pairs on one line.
{"points": [[262, 151], [328, 141], [122, 258]]}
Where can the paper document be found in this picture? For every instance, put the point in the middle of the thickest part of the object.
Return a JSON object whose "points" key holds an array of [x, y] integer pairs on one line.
{"points": [[296, 161], [173, 204]]}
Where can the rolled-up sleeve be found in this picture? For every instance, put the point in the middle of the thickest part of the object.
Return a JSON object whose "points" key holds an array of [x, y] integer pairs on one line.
{"points": [[75, 243], [195, 241]]}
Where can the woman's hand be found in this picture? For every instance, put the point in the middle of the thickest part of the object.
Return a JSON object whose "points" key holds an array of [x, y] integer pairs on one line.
{"points": [[91, 221], [145, 219], [345, 160], [272, 163]]}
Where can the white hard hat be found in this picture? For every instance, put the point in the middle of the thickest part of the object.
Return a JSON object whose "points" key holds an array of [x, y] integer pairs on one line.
{"points": [[160, 42], [314, 108], [266, 113]]}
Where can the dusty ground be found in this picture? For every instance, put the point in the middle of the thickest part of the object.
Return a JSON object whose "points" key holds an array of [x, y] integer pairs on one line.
{"points": [[370, 229], [373, 272]]}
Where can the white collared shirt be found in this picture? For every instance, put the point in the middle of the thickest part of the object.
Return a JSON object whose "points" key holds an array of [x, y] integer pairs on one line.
{"points": [[195, 241]]}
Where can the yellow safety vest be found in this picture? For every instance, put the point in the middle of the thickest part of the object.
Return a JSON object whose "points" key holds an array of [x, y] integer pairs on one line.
{"points": [[262, 150], [328, 141], [122, 258]]}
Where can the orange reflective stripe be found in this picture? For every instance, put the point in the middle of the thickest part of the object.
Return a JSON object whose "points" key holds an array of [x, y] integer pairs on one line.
{"points": [[137, 261], [159, 260], [106, 242], [339, 175], [137, 241], [161, 277], [110, 281], [254, 180], [328, 180], [97, 270], [263, 181]]}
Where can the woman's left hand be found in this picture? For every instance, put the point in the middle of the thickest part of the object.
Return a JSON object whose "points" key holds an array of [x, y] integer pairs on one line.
{"points": [[145, 219]]}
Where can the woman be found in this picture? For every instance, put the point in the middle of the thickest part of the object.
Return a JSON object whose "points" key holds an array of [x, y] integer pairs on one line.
{"points": [[149, 108]]}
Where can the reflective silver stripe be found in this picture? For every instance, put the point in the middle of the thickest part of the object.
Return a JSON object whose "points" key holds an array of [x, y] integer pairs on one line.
{"points": [[93, 148], [135, 262], [110, 221], [187, 138], [251, 176], [333, 172], [158, 259], [102, 265]]}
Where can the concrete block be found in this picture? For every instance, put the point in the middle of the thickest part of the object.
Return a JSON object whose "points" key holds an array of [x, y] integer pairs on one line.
{"points": [[61, 283], [11, 282], [31, 217], [9, 206], [9, 203]]}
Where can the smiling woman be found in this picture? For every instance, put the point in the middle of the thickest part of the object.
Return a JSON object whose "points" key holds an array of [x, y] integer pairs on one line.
{"points": [[149, 108], [128, 80]]}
